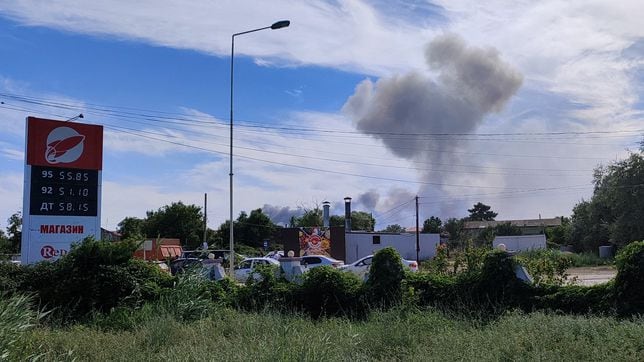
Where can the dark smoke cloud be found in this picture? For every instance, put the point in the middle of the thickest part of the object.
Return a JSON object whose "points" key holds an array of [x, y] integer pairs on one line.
{"points": [[281, 215], [368, 200], [471, 83]]}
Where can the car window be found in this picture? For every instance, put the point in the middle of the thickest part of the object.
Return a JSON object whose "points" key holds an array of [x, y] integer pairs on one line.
{"points": [[260, 262], [312, 260], [246, 264], [367, 261]]}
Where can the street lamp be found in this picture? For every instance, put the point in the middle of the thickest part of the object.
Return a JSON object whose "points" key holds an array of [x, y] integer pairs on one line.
{"points": [[277, 25]]}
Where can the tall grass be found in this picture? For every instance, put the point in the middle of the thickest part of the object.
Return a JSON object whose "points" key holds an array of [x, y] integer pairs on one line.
{"points": [[400, 334], [16, 317]]}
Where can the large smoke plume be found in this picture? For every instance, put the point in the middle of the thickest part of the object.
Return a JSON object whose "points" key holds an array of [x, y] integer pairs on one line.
{"points": [[471, 83]]}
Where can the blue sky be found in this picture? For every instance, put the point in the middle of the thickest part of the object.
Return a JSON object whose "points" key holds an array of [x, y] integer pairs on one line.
{"points": [[577, 68]]}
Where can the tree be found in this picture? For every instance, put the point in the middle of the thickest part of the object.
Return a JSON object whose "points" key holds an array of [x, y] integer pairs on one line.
{"points": [[363, 221], [481, 212], [176, 221], [336, 220], [131, 227], [454, 227], [310, 218], [14, 231], [249, 230], [432, 225], [395, 228]]}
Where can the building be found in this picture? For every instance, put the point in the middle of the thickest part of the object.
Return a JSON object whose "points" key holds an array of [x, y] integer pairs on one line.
{"points": [[521, 242], [159, 249], [528, 226]]}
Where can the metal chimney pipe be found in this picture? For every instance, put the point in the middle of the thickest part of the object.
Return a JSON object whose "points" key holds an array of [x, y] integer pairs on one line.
{"points": [[325, 213], [347, 214]]}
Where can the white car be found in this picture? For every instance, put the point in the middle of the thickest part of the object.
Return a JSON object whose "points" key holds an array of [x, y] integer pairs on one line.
{"points": [[244, 269], [312, 261], [362, 265]]}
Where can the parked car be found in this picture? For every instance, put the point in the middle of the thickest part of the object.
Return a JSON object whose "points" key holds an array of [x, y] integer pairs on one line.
{"points": [[244, 269], [312, 261], [182, 264], [275, 254], [362, 265]]}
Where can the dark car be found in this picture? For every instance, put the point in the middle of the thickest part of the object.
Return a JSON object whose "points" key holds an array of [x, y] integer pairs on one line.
{"points": [[182, 264]]}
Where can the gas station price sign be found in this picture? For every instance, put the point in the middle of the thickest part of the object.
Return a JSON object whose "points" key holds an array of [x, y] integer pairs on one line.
{"points": [[63, 191]]}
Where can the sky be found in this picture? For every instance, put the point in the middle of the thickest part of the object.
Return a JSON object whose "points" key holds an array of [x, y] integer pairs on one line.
{"points": [[510, 103]]}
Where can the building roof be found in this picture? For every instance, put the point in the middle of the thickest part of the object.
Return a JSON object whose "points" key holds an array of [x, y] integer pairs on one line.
{"points": [[555, 221]]}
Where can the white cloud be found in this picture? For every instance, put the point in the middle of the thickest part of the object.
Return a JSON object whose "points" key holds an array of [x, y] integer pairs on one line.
{"points": [[572, 55]]}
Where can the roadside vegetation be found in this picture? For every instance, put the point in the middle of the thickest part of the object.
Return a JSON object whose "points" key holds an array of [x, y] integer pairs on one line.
{"points": [[481, 312]]}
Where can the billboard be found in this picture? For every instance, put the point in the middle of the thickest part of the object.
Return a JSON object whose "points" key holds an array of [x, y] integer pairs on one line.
{"points": [[62, 187]]}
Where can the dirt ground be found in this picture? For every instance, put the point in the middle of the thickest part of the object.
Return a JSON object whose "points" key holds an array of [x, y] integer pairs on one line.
{"points": [[592, 275]]}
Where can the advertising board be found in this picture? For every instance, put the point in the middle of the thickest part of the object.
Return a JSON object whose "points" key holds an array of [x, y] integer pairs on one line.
{"points": [[62, 188]]}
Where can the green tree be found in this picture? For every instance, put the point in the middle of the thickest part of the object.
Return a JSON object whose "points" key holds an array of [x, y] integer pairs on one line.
{"points": [[481, 212], [310, 218], [336, 220], [176, 221], [454, 227], [14, 231], [619, 198], [249, 230], [363, 221], [131, 227], [394, 228], [432, 225]]}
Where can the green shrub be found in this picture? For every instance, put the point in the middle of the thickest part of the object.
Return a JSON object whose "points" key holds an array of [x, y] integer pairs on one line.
{"points": [[266, 289], [385, 277], [546, 265], [11, 277], [330, 292], [577, 299], [93, 276], [629, 282]]}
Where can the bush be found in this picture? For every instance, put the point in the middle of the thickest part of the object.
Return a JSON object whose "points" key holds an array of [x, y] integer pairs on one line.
{"points": [[577, 299], [385, 277], [546, 265], [93, 276], [266, 290], [330, 292], [629, 282]]}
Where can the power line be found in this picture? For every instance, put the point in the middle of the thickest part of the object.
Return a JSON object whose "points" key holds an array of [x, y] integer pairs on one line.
{"points": [[416, 135]]}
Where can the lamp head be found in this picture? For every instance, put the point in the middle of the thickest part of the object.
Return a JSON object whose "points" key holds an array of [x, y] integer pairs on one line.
{"points": [[280, 24]]}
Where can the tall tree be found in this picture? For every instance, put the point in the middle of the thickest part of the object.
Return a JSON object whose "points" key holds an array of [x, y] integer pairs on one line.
{"points": [[131, 227], [249, 230], [176, 221], [481, 212], [432, 225], [14, 231]]}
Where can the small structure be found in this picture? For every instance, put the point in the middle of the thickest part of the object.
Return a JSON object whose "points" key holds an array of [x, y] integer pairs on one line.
{"points": [[159, 249], [527, 226], [360, 244], [521, 242]]}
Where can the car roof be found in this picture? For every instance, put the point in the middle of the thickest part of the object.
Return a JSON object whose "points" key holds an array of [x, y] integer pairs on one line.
{"points": [[321, 256], [261, 258]]}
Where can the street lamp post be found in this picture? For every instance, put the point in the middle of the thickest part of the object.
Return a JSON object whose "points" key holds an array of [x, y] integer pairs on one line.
{"points": [[277, 25]]}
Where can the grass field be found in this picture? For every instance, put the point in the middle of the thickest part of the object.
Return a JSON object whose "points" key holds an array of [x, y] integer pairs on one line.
{"points": [[394, 335]]}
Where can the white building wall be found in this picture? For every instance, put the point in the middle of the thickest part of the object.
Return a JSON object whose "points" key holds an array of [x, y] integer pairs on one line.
{"points": [[359, 245], [521, 242]]}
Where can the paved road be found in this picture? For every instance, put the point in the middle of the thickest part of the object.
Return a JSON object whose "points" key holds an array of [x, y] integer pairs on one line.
{"points": [[592, 275]]}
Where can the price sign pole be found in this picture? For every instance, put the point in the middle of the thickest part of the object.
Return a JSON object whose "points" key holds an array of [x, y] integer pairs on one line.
{"points": [[62, 191]]}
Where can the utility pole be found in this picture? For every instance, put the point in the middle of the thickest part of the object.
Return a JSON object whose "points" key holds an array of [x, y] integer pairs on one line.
{"points": [[417, 234], [205, 217]]}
